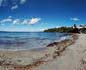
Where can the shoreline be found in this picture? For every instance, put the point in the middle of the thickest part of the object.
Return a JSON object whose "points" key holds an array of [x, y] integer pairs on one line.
{"points": [[24, 60], [67, 36], [73, 58]]}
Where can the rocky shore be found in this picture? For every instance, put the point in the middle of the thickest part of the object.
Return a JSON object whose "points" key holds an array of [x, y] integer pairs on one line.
{"points": [[31, 60]]}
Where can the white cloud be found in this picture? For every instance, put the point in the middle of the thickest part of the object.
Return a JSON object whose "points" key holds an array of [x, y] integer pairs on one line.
{"points": [[14, 7], [9, 19], [34, 20], [14, 3], [58, 26], [16, 21], [20, 21], [22, 1], [1, 2], [42, 29], [75, 19], [25, 21]]}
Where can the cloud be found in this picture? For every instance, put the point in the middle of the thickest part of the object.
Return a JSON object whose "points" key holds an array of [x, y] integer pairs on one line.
{"points": [[16, 21], [17, 4], [75, 19], [34, 20], [9, 19], [22, 1], [1, 2], [20, 21], [13, 3], [14, 7], [58, 26], [25, 21]]}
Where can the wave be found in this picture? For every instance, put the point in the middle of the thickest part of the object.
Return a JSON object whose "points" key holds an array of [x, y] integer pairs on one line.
{"points": [[29, 40]]}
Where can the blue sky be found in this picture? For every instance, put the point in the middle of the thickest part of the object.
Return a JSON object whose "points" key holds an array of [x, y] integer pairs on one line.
{"points": [[37, 15]]}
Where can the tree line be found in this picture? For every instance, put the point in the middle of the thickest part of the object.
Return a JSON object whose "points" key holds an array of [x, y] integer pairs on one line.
{"points": [[73, 29]]}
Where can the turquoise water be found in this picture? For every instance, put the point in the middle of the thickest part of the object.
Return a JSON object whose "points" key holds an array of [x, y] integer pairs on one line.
{"points": [[28, 40]]}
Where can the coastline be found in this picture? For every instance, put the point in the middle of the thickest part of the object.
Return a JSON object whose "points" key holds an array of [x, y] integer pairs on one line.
{"points": [[25, 60], [61, 38]]}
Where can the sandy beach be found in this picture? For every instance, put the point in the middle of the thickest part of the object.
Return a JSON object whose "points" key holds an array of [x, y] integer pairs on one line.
{"points": [[66, 55], [73, 58], [42, 34]]}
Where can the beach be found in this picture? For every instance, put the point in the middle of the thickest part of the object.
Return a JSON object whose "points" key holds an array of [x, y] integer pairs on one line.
{"points": [[68, 54], [42, 34], [73, 58]]}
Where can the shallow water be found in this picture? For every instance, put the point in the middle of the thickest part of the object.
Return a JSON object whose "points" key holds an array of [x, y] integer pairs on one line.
{"points": [[28, 40]]}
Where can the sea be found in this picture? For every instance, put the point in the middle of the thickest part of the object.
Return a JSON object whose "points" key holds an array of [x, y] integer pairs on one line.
{"points": [[29, 40]]}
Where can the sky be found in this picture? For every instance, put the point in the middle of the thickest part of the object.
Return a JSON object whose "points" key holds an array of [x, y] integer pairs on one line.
{"points": [[38, 15]]}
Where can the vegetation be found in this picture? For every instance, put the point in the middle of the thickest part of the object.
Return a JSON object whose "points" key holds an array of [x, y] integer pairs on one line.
{"points": [[61, 29], [73, 29], [83, 30]]}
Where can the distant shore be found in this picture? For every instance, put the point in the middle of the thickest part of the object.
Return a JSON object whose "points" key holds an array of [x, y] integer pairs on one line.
{"points": [[24, 60]]}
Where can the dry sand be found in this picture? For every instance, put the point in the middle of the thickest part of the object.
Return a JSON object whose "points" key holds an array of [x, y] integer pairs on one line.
{"points": [[73, 58], [52, 58]]}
